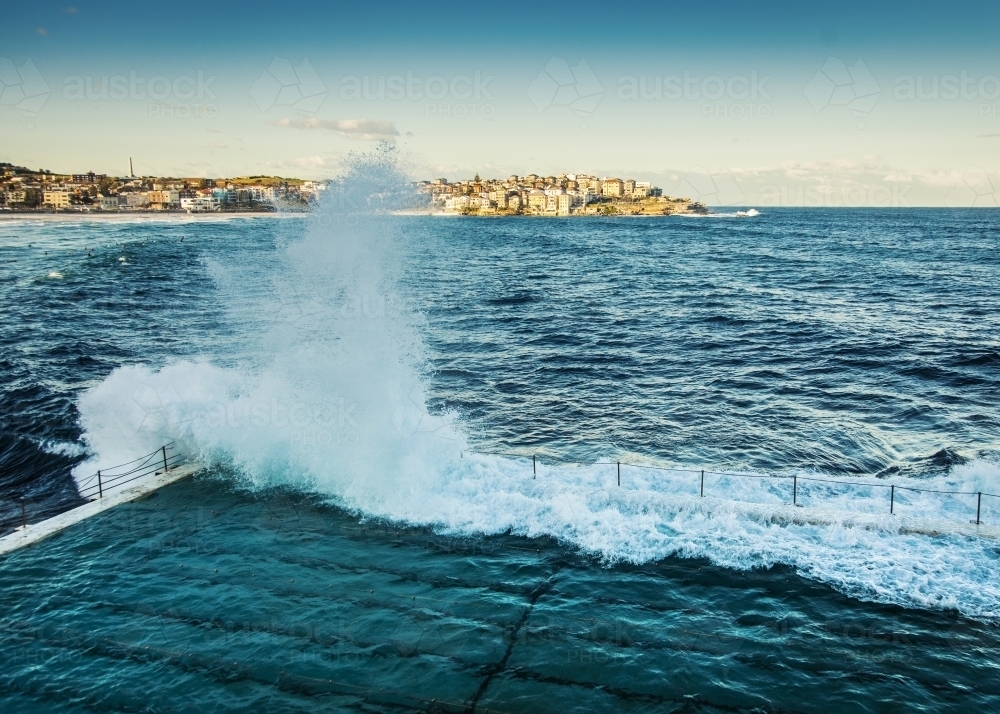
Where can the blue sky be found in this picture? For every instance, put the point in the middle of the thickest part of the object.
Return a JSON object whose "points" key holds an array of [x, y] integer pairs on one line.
{"points": [[792, 103]]}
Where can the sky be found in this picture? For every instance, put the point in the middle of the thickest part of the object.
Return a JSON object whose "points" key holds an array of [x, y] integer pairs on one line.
{"points": [[826, 104]]}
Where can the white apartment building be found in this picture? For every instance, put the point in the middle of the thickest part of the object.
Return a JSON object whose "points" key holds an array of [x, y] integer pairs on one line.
{"points": [[15, 196], [223, 195], [457, 203], [254, 194], [200, 204], [133, 200]]}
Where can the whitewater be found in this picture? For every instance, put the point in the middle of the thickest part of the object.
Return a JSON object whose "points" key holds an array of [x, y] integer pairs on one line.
{"points": [[325, 387]]}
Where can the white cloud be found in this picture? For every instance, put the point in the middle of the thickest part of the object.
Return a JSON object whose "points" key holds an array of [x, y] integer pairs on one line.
{"points": [[309, 162], [360, 129]]}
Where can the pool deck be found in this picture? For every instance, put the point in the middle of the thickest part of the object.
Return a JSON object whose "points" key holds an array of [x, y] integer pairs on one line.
{"points": [[787, 515], [35, 532], [783, 515]]}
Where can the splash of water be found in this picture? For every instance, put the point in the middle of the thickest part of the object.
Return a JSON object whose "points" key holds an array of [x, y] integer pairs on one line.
{"points": [[327, 390], [328, 393]]}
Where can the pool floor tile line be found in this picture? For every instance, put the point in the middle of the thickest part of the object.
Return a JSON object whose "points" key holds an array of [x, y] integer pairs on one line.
{"points": [[498, 667]]}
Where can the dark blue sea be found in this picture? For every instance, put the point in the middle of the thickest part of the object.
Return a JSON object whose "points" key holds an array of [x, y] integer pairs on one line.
{"points": [[411, 428]]}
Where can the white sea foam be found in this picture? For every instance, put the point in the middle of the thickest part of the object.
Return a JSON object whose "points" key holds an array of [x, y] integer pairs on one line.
{"points": [[329, 395], [63, 448]]}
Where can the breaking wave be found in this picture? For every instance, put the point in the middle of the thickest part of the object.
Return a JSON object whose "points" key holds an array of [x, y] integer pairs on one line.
{"points": [[327, 392]]}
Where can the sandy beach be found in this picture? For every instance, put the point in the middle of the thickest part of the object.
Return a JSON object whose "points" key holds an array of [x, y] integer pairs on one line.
{"points": [[142, 216]]}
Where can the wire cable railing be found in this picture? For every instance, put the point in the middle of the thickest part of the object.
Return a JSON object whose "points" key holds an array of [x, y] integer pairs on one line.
{"points": [[93, 487], [794, 478], [105, 480], [108, 479]]}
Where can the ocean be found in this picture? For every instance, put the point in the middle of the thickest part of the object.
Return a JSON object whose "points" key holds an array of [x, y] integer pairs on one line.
{"points": [[507, 465]]}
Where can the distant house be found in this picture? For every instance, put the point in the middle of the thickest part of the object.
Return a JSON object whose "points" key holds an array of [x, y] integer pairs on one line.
{"points": [[537, 199], [88, 178], [107, 203], [613, 188], [201, 204], [132, 201], [56, 199], [563, 203], [164, 199], [13, 197], [458, 203]]}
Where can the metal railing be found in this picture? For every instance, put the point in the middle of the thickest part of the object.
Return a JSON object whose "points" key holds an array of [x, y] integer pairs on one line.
{"points": [[162, 460], [700, 473], [108, 479], [17, 514]]}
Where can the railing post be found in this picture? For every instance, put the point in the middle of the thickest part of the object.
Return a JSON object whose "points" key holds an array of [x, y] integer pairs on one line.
{"points": [[979, 502], [24, 518], [795, 490], [164, 458], [619, 473], [703, 483], [534, 469], [892, 499], [100, 489]]}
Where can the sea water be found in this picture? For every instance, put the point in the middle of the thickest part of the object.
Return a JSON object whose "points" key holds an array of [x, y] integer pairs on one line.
{"points": [[368, 391]]}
